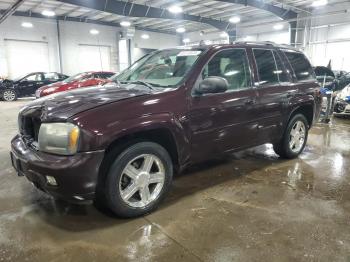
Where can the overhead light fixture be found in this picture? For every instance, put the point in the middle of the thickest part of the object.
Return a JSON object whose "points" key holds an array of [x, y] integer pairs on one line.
{"points": [[125, 23], [278, 27], [318, 3], [223, 35], [48, 13], [235, 20], [186, 40], [94, 32], [175, 9], [27, 25], [181, 30], [145, 36]]}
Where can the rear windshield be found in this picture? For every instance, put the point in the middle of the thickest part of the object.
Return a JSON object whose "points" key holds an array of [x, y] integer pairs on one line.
{"points": [[301, 65]]}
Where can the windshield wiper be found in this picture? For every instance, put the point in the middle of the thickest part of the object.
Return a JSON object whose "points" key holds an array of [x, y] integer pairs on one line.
{"points": [[142, 83]]}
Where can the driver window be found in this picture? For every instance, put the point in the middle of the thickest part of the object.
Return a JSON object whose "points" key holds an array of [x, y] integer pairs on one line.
{"points": [[232, 65]]}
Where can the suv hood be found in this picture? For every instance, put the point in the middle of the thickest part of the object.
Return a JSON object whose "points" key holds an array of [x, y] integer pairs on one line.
{"points": [[61, 106]]}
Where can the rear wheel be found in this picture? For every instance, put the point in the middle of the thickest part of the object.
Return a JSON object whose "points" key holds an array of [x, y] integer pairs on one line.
{"points": [[9, 95], [294, 138], [138, 179]]}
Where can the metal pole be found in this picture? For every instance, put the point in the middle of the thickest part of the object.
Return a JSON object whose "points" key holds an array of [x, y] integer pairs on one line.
{"points": [[59, 46]]}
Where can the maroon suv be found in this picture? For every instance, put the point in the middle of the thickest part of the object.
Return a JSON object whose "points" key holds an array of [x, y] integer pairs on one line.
{"points": [[120, 144]]}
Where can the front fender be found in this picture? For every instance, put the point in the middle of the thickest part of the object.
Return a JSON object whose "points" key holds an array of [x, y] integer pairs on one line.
{"points": [[98, 138]]}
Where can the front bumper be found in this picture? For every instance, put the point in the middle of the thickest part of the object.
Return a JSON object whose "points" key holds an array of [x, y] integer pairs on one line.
{"points": [[342, 109], [76, 175]]}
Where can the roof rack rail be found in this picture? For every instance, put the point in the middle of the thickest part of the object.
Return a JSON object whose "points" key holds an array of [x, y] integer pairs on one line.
{"points": [[256, 42], [270, 43]]}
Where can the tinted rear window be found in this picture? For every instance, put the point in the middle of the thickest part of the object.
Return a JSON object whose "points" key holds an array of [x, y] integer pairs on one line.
{"points": [[266, 66], [301, 66], [281, 71]]}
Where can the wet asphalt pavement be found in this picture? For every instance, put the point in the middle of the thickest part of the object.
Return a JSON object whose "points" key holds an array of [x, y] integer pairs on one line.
{"points": [[250, 207]]}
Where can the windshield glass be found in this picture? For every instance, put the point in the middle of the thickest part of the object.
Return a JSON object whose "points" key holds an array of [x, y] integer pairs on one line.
{"points": [[165, 68], [74, 77], [19, 78]]}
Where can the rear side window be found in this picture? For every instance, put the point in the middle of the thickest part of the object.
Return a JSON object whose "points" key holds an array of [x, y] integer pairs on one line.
{"points": [[281, 71], [268, 72], [106, 75], [51, 76], [301, 66]]}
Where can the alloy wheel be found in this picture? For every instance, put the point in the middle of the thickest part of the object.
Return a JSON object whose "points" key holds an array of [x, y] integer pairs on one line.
{"points": [[297, 136], [142, 181], [9, 95]]}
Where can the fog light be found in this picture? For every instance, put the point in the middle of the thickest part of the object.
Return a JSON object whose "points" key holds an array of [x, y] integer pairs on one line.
{"points": [[51, 180]]}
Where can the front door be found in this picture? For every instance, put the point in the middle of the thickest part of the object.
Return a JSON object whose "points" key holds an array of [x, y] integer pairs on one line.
{"points": [[225, 121], [28, 85]]}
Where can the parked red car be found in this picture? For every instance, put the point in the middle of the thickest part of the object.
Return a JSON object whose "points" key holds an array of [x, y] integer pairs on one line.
{"points": [[76, 81]]}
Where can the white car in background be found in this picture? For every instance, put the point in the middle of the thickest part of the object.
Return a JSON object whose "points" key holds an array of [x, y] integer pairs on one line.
{"points": [[342, 104]]}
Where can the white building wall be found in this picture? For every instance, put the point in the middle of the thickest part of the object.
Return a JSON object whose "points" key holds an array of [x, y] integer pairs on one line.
{"points": [[208, 38], [72, 35], [264, 33], [43, 30], [155, 41], [329, 40]]}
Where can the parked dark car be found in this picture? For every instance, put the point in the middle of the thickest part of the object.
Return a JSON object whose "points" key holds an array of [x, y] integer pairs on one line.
{"points": [[343, 80], [26, 85], [326, 77], [120, 144], [77, 81]]}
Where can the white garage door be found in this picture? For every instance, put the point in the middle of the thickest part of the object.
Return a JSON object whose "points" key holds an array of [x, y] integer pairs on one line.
{"points": [[24, 57], [94, 58]]}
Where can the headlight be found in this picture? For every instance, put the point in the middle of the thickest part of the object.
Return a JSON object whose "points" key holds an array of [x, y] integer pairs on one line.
{"points": [[58, 138]]}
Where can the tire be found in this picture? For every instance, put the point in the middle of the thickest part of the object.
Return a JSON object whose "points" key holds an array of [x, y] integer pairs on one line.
{"points": [[128, 188], [9, 95], [287, 148]]}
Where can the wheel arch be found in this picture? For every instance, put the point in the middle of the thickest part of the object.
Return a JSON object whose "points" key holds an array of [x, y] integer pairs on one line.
{"points": [[160, 135], [306, 110]]}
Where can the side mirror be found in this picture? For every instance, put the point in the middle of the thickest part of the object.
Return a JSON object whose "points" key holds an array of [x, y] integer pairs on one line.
{"points": [[212, 85]]}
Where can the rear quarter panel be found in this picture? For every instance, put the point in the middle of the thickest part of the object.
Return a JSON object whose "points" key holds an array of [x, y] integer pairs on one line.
{"points": [[308, 95]]}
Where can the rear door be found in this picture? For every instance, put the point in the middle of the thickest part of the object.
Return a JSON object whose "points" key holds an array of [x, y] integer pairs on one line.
{"points": [[274, 83], [225, 121], [305, 81]]}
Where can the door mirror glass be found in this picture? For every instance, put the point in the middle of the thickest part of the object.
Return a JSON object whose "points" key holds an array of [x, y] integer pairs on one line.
{"points": [[212, 85]]}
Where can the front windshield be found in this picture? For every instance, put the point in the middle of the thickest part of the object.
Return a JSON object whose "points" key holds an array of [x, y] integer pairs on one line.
{"points": [[165, 68], [74, 77], [19, 78]]}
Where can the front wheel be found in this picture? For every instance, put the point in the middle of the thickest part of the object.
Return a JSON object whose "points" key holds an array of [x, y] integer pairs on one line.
{"points": [[9, 95], [294, 138], [138, 179]]}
